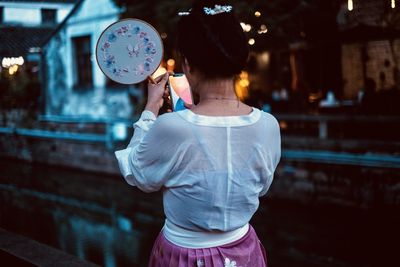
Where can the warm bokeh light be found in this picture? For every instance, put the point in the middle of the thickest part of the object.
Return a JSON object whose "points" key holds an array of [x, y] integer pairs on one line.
{"points": [[393, 5], [246, 27], [263, 29], [252, 41], [283, 125], [244, 83], [170, 64], [242, 86], [13, 69], [264, 58], [314, 97], [164, 35], [257, 14], [8, 62], [350, 5]]}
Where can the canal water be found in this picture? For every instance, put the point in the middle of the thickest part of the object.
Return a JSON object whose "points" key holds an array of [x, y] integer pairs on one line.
{"points": [[102, 219]]}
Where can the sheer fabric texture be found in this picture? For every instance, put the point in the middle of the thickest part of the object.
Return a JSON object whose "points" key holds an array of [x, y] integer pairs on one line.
{"points": [[212, 169]]}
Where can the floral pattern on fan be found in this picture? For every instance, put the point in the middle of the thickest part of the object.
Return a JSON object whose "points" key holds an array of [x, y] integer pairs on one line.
{"points": [[129, 47]]}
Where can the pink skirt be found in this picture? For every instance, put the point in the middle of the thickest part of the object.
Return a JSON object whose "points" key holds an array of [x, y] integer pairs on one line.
{"points": [[247, 251]]}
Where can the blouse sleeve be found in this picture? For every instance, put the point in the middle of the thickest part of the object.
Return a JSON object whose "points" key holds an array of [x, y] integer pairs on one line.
{"points": [[150, 156], [141, 127], [274, 157]]}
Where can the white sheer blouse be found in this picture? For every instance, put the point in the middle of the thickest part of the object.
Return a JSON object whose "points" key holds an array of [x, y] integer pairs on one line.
{"points": [[212, 169]]}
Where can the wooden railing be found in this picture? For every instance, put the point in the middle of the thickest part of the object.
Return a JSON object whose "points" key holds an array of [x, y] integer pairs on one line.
{"points": [[323, 124], [307, 138]]}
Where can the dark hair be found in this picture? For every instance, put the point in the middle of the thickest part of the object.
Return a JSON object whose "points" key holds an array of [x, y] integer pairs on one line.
{"points": [[215, 45]]}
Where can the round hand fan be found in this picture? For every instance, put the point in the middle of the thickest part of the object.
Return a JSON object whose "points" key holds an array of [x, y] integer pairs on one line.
{"points": [[129, 50]]}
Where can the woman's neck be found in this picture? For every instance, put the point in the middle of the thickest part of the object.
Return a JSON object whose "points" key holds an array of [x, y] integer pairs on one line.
{"points": [[218, 98], [222, 89]]}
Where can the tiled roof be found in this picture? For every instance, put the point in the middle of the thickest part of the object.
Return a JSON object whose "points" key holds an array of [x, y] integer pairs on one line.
{"points": [[16, 41], [61, 25]]}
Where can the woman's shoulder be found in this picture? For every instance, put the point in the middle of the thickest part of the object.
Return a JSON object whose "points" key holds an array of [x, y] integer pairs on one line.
{"points": [[168, 119], [169, 124], [268, 116], [270, 119]]}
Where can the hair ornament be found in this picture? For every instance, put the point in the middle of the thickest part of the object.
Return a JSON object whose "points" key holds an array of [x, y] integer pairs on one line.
{"points": [[218, 9], [184, 13]]}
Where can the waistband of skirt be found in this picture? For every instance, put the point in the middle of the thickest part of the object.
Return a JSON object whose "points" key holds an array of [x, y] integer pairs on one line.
{"points": [[197, 239]]}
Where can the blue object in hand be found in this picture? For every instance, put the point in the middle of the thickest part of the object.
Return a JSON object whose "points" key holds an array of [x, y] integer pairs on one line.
{"points": [[180, 105]]}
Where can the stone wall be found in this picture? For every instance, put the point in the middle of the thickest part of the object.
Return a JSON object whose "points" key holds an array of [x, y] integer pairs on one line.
{"points": [[381, 61], [344, 185], [85, 156], [300, 181]]}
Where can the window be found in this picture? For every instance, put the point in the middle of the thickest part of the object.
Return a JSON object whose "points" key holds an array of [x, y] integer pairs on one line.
{"points": [[83, 62], [49, 16], [1, 14]]}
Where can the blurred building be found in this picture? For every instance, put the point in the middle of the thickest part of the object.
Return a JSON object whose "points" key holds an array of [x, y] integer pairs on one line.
{"points": [[24, 27], [314, 50], [370, 34], [302, 52], [73, 83]]}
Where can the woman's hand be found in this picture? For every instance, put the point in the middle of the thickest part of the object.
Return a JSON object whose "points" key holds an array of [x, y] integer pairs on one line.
{"points": [[156, 93]]}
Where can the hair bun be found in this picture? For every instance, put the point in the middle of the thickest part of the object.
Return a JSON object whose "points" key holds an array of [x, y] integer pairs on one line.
{"points": [[212, 40]]}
